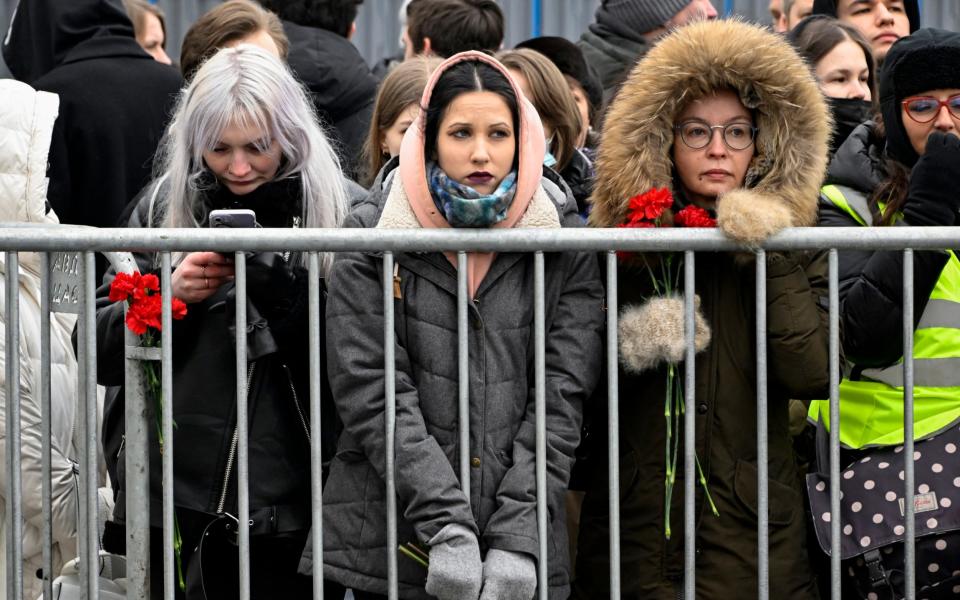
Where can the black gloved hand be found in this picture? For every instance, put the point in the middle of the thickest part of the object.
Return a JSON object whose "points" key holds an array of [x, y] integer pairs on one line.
{"points": [[271, 281], [933, 197]]}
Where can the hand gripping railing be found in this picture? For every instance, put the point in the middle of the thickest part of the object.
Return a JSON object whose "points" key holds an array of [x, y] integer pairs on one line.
{"points": [[607, 241]]}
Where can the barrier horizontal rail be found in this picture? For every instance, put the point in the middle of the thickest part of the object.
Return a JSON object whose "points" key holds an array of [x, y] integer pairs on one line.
{"points": [[50, 238]]}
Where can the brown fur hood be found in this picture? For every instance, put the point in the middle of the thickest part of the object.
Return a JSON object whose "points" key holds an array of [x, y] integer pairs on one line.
{"points": [[793, 123]]}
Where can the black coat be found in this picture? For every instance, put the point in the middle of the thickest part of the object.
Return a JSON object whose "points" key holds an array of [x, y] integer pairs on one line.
{"points": [[341, 85], [204, 389], [871, 282], [114, 102]]}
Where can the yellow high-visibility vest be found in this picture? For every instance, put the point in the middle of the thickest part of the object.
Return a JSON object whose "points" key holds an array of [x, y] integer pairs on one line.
{"points": [[871, 408]]}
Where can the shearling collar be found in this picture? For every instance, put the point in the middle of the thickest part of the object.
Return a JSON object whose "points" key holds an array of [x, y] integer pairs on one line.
{"points": [[793, 120]]}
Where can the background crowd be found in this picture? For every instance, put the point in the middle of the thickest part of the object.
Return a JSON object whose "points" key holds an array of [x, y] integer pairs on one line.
{"points": [[661, 114]]}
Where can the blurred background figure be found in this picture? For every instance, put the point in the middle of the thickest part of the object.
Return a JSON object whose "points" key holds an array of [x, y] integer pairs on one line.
{"points": [[882, 22], [776, 15], [26, 127], [114, 102], [544, 86], [150, 28], [229, 24], [793, 12], [624, 31], [843, 64], [396, 108], [446, 27], [321, 56]]}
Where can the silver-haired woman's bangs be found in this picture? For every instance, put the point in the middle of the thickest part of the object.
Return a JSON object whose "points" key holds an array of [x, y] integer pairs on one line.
{"points": [[250, 88]]}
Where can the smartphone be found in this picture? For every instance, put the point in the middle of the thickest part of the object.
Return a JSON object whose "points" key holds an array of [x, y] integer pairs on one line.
{"points": [[239, 217]]}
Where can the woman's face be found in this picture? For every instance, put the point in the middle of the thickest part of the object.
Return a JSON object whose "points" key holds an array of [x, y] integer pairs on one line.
{"points": [[524, 86], [151, 38], [391, 137], [843, 72], [716, 168], [476, 142], [238, 161], [943, 121]]}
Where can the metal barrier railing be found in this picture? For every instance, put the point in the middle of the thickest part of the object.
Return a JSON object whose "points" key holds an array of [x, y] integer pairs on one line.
{"points": [[690, 241]]}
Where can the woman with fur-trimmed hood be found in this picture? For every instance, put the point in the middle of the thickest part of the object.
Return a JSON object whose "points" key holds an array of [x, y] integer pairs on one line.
{"points": [[726, 116]]}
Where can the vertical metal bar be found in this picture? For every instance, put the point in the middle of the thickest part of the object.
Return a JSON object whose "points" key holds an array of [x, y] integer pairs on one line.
{"points": [[45, 427], [689, 429], [390, 423], [613, 424], [15, 495], [137, 467], [763, 534], [166, 426], [463, 360], [316, 437], [909, 541], [90, 429], [540, 405], [79, 422], [243, 480], [834, 425]]}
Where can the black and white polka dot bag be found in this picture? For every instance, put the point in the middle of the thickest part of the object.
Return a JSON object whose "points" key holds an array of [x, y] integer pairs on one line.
{"points": [[872, 521]]}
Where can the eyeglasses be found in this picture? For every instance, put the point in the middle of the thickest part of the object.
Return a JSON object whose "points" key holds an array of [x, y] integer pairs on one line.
{"points": [[924, 109], [698, 135]]}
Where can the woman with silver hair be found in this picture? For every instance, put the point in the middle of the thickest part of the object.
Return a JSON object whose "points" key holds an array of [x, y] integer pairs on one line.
{"points": [[244, 136]]}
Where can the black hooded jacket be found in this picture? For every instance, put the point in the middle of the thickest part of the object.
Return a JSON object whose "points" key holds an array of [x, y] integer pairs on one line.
{"points": [[871, 282], [341, 85], [114, 101], [829, 7]]}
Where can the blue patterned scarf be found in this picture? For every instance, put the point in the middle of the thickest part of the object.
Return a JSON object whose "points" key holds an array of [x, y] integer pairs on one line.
{"points": [[464, 206]]}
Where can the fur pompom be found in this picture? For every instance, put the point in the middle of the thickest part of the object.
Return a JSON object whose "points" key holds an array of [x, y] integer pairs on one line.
{"points": [[653, 332], [750, 217]]}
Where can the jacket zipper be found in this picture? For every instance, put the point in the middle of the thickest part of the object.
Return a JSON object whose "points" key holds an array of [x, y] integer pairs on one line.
{"points": [[296, 403], [233, 448]]}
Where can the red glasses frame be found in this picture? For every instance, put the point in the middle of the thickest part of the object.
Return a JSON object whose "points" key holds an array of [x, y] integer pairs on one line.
{"points": [[933, 114]]}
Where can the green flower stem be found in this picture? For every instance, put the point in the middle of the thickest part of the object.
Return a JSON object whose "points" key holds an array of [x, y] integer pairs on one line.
{"points": [[411, 555], [668, 462]]}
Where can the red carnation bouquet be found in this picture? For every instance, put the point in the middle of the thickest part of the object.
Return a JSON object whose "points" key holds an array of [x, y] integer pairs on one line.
{"points": [[144, 306], [647, 211]]}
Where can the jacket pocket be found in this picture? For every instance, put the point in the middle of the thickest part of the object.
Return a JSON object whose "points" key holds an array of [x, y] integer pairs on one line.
{"points": [[784, 501]]}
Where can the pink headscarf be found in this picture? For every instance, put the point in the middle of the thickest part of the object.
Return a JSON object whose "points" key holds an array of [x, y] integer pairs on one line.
{"points": [[413, 171]]}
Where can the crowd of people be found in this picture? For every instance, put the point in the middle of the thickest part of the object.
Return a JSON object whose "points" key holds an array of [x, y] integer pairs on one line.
{"points": [[838, 113]]}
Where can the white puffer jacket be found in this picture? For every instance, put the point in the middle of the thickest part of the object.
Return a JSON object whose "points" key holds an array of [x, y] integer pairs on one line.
{"points": [[26, 123]]}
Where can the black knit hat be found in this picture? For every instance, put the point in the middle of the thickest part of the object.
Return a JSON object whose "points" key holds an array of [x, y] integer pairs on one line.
{"points": [[829, 7], [632, 18], [926, 60], [569, 60]]}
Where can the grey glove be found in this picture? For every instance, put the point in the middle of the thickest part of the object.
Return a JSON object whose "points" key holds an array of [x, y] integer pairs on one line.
{"points": [[508, 576], [455, 571]]}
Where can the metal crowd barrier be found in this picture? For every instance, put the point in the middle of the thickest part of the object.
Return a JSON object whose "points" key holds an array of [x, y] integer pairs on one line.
{"points": [[86, 242]]}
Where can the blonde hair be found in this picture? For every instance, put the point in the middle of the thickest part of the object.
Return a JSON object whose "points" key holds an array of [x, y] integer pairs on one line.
{"points": [[249, 87]]}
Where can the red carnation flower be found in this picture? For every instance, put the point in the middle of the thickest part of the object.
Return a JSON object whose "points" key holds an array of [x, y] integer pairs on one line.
{"points": [[694, 216], [649, 205], [123, 285]]}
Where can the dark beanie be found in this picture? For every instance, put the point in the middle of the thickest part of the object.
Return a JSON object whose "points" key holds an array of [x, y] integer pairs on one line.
{"points": [[568, 58], [829, 7], [632, 18], [926, 60]]}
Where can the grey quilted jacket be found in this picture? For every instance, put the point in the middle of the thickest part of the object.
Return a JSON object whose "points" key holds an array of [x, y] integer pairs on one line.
{"points": [[502, 503]]}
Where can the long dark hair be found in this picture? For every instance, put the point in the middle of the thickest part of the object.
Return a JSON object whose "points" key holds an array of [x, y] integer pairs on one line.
{"points": [[815, 36], [463, 77], [892, 191]]}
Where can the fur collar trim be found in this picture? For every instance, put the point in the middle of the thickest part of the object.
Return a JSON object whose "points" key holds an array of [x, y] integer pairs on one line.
{"points": [[793, 120]]}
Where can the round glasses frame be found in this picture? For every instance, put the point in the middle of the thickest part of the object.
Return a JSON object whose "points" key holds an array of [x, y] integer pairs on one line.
{"points": [[724, 129], [952, 103]]}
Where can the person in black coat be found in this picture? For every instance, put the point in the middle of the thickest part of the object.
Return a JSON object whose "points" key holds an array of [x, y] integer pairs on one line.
{"points": [[269, 156], [323, 58], [114, 102]]}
